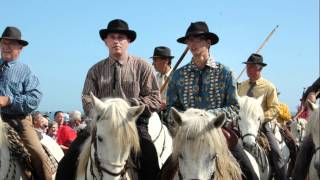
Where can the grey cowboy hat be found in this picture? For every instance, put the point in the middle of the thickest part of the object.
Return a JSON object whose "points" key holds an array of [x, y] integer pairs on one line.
{"points": [[13, 33], [199, 28], [162, 52], [255, 59], [118, 26]]}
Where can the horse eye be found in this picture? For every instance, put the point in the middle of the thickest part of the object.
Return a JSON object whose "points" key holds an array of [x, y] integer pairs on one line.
{"points": [[100, 138], [180, 156], [212, 156], [98, 117]]}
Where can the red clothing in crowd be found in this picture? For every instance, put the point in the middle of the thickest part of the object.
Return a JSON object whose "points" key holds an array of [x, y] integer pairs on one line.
{"points": [[65, 135]]}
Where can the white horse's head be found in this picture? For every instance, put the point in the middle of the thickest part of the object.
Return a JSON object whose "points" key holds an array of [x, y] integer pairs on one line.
{"points": [[313, 128], [251, 115], [297, 128], [113, 135], [200, 147]]}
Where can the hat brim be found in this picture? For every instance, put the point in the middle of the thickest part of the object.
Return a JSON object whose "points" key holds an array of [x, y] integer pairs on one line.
{"points": [[170, 57], [20, 41], [131, 34], [213, 37], [262, 64]]}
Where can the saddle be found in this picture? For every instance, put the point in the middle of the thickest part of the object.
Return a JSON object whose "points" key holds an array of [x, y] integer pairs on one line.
{"points": [[19, 152]]}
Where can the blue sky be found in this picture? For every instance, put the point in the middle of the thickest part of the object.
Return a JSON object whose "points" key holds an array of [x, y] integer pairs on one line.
{"points": [[64, 41]]}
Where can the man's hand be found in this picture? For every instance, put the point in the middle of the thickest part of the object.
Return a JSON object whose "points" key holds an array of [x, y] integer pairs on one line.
{"points": [[4, 101], [163, 105]]}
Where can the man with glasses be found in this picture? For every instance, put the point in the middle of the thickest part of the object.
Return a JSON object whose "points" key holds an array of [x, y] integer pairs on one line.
{"points": [[207, 84], [19, 96]]}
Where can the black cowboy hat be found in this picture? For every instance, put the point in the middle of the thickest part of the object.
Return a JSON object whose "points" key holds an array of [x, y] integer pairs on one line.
{"points": [[118, 26], [162, 52], [199, 28], [13, 33], [255, 59]]}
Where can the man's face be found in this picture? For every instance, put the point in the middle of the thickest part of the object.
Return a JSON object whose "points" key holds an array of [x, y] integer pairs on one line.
{"points": [[198, 45], [253, 71], [161, 64], [10, 49], [59, 118], [117, 43]]}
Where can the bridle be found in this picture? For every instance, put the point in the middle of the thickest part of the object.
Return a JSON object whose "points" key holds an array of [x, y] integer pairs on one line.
{"points": [[215, 158], [164, 140], [97, 162]]}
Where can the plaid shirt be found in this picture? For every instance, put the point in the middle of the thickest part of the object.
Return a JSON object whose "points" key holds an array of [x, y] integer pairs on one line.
{"points": [[212, 89]]}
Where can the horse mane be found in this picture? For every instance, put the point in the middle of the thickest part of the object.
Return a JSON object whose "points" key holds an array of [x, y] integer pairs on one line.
{"points": [[123, 128], [194, 129], [249, 105], [313, 124]]}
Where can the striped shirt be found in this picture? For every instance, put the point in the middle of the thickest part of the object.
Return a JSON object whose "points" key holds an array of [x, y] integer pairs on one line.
{"points": [[137, 83], [21, 86]]}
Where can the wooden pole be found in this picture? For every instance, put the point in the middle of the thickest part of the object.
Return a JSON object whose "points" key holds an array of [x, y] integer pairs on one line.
{"points": [[258, 50], [174, 69]]}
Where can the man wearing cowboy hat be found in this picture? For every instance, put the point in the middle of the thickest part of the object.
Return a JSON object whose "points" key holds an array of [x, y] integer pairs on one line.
{"points": [[162, 64], [131, 78], [257, 86], [206, 84], [19, 96]]}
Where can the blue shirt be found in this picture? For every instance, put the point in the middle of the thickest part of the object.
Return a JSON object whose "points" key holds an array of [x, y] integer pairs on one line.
{"points": [[22, 87], [212, 89]]}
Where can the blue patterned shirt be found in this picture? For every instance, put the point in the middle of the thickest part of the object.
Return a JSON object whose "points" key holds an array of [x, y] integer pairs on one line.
{"points": [[212, 89], [22, 87]]}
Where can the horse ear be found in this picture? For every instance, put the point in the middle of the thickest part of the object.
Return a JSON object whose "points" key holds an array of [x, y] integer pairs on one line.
{"points": [[260, 99], [135, 111], [176, 116], [219, 120], [98, 104]]}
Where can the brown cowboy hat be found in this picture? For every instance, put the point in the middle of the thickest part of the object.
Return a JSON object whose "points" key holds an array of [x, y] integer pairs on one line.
{"points": [[118, 26], [13, 33], [162, 52], [199, 28], [255, 59]]}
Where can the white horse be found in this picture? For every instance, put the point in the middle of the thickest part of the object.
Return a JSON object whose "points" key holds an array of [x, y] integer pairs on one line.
{"points": [[313, 128], [160, 137], [200, 147], [251, 116], [105, 154], [285, 152], [297, 128], [9, 166]]}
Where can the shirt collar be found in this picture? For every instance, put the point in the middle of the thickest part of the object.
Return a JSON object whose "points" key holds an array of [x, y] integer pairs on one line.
{"points": [[258, 81], [211, 63], [121, 62], [10, 63]]}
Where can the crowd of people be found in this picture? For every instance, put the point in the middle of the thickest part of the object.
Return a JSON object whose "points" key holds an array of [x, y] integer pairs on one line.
{"points": [[203, 83]]}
